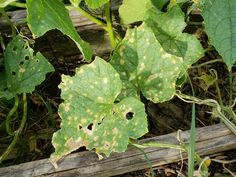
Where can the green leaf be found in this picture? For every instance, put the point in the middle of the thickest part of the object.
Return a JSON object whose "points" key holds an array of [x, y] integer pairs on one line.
{"points": [[91, 118], [94, 4], [144, 66], [23, 69], [43, 16], [4, 3], [207, 80], [168, 28], [75, 2], [220, 25], [159, 3], [131, 11]]}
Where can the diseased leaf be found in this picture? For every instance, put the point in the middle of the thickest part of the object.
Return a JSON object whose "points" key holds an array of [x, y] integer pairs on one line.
{"points": [[207, 80], [23, 70], [91, 118], [43, 16], [220, 25], [96, 3], [131, 11], [168, 28], [145, 66], [4, 3]]}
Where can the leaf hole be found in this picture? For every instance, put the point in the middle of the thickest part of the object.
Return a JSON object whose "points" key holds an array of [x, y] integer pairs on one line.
{"points": [[101, 121], [26, 47], [37, 61], [90, 126], [21, 63], [14, 48], [129, 115], [80, 127], [26, 57], [13, 73]]}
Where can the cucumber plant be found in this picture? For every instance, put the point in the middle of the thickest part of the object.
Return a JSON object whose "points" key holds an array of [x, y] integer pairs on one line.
{"points": [[102, 107]]}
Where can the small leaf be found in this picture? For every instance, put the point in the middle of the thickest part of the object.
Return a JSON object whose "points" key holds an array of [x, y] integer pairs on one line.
{"points": [[4, 3], [91, 118], [144, 66], [94, 4], [23, 69], [208, 79], [168, 28], [43, 16], [220, 25], [131, 11]]}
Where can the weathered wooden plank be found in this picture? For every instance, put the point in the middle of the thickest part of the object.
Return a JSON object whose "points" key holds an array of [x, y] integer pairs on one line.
{"points": [[81, 22], [209, 140]]}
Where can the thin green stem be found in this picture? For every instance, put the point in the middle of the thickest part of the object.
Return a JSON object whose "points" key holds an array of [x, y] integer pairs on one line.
{"points": [[157, 145], [191, 148], [196, 156], [146, 158], [2, 43], [219, 94], [90, 17], [9, 148], [211, 103], [13, 27], [181, 147], [24, 117], [9, 116], [17, 132], [207, 63], [18, 4], [109, 25], [49, 109], [230, 88]]}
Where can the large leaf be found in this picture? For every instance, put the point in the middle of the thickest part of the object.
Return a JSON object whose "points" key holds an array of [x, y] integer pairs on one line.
{"points": [[96, 3], [168, 28], [220, 25], [145, 66], [45, 15], [91, 118], [23, 69], [131, 11], [4, 3]]}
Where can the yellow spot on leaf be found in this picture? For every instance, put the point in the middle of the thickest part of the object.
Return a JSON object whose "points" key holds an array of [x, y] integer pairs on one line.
{"points": [[105, 80], [22, 70]]}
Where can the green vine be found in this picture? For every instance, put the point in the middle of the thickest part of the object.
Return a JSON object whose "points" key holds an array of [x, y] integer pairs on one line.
{"points": [[9, 116], [17, 132]]}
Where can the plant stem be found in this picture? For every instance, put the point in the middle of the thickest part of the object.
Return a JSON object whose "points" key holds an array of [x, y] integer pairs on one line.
{"points": [[9, 116], [18, 4], [147, 159], [230, 88], [2, 43], [9, 148], [109, 25], [157, 145], [13, 27], [90, 17], [207, 63], [24, 117], [219, 93], [17, 132], [211, 103], [181, 147], [191, 147]]}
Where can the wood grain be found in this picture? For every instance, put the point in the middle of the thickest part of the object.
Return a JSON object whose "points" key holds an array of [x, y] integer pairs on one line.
{"points": [[209, 140], [79, 21]]}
